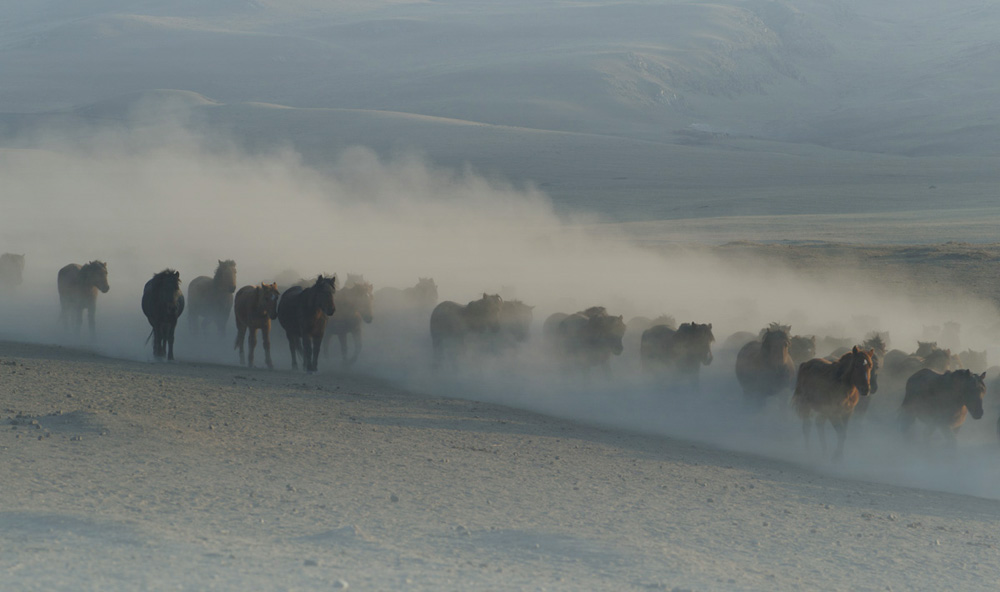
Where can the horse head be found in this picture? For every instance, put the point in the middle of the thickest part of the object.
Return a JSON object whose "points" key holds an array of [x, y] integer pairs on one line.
{"points": [[362, 296], [857, 366], [610, 331], [972, 388], [323, 291], [225, 275], [96, 274], [268, 300]]}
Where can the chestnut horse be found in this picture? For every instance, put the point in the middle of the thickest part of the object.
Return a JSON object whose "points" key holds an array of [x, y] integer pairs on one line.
{"points": [[942, 400], [163, 303], [831, 390], [354, 305], [212, 297], [302, 313], [78, 286], [255, 308]]}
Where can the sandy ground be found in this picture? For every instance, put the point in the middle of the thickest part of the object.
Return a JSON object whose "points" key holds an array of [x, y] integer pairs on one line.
{"points": [[122, 475]]}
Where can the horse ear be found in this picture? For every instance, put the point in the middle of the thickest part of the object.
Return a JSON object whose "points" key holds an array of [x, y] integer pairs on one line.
{"points": [[855, 350], [982, 376], [871, 352], [710, 326], [484, 295]]}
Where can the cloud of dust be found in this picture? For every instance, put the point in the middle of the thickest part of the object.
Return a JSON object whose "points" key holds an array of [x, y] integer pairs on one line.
{"points": [[146, 197]]}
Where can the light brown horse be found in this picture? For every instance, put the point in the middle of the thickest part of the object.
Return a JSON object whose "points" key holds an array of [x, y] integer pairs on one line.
{"points": [[78, 286], [451, 323], [254, 308], [354, 306], [212, 297], [764, 367], [941, 401], [831, 390]]}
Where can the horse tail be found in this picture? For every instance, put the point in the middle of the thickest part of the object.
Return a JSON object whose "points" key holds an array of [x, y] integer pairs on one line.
{"points": [[150, 337]]}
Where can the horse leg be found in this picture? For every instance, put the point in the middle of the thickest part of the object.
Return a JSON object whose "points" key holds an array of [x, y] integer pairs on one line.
{"points": [[291, 349], [252, 338], [327, 335], [357, 346], [265, 335], [317, 342], [157, 341], [170, 341], [821, 433], [193, 321], [307, 353], [806, 428], [840, 426], [342, 337], [78, 320], [241, 330], [91, 311]]}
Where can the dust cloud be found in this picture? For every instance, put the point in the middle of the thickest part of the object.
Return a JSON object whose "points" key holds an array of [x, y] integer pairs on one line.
{"points": [[163, 194]]}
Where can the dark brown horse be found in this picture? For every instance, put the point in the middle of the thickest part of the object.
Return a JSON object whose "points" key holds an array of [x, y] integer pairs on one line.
{"points": [[255, 307], [451, 323], [765, 368], [679, 352], [163, 303], [586, 339], [515, 324], [78, 286], [11, 270], [831, 390], [354, 307], [211, 298], [302, 313], [941, 401]]}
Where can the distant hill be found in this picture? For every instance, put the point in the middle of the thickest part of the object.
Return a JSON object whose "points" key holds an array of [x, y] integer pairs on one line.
{"points": [[913, 78]]}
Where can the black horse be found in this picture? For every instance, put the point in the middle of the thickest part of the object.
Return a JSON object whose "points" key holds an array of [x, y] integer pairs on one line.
{"points": [[302, 313], [163, 303]]}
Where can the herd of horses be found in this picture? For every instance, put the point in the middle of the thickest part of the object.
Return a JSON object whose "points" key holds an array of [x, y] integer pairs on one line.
{"points": [[939, 389]]}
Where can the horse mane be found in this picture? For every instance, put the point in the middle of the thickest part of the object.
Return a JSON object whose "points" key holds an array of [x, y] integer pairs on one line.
{"points": [[877, 341], [224, 265], [693, 329], [93, 265], [323, 279], [167, 275], [595, 311]]}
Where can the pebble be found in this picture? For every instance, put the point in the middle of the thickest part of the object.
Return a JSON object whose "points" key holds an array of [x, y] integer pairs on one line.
{"points": [[340, 585], [310, 563], [394, 498]]}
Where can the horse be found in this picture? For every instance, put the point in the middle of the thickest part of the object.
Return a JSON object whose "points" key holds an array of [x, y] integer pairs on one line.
{"points": [[587, 338], [515, 324], [11, 270], [764, 367], [212, 297], [682, 351], [802, 348], [78, 286], [421, 297], [973, 360], [163, 303], [831, 390], [942, 400], [255, 307], [354, 305], [302, 313], [453, 322]]}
